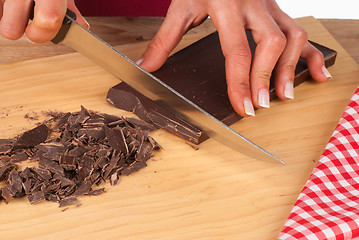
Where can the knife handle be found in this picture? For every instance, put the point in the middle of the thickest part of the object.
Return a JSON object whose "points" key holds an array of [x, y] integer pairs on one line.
{"points": [[69, 17]]}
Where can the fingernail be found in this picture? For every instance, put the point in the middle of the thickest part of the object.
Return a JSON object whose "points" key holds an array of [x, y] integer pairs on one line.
{"points": [[88, 25], [139, 61], [288, 90], [263, 98], [326, 72], [248, 106]]}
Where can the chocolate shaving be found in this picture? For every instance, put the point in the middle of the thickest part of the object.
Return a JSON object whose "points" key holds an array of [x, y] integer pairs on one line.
{"points": [[32, 137], [68, 201]]}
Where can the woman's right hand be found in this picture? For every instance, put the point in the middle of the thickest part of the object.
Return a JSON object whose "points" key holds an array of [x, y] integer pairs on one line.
{"points": [[48, 17]]}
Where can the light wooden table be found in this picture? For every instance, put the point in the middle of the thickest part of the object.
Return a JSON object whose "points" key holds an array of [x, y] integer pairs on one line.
{"points": [[119, 30]]}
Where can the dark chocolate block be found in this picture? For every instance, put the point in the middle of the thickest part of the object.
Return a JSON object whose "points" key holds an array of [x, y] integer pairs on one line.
{"points": [[198, 73]]}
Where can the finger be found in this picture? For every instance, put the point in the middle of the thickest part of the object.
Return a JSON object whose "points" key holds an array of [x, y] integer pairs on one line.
{"points": [[270, 44], [15, 16], [48, 17], [178, 20], [285, 69], [315, 62], [237, 55], [79, 18], [1, 7]]}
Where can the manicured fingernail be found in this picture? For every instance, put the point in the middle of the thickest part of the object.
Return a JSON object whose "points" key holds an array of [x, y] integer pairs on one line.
{"points": [[87, 24], [288, 90], [139, 61], [326, 72], [263, 98], [248, 106]]}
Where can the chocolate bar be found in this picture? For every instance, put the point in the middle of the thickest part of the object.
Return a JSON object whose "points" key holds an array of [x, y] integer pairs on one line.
{"points": [[198, 73]]}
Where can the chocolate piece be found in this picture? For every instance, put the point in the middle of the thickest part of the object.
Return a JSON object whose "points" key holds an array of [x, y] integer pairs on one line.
{"points": [[68, 162], [19, 157], [68, 201], [96, 192], [198, 73], [4, 171], [5, 145], [32, 137], [36, 197], [84, 188], [51, 165], [117, 140]]}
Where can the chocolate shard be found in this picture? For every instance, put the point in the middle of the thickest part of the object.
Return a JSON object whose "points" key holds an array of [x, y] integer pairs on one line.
{"points": [[15, 182], [96, 192], [32, 137], [6, 145], [51, 150], [68, 162], [84, 187], [5, 170], [18, 157], [68, 201], [134, 167], [36, 197], [198, 73], [117, 139], [51, 165]]}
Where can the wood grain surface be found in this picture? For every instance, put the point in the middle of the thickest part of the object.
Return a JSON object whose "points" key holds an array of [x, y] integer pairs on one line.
{"points": [[212, 193]]}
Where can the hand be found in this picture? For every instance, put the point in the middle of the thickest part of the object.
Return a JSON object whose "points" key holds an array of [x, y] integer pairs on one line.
{"points": [[280, 40], [48, 17]]}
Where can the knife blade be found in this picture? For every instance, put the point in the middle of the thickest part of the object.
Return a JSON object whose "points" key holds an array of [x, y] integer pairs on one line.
{"points": [[75, 36]]}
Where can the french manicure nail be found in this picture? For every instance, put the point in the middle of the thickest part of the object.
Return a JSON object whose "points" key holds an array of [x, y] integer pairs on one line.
{"points": [[248, 106], [326, 72], [288, 90], [139, 61], [263, 98]]}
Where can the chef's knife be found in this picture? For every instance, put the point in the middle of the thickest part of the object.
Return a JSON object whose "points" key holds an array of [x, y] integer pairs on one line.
{"points": [[73, 35]]}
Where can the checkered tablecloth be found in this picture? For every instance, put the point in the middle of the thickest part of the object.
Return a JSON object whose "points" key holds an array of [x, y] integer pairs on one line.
{"points": [[328, 206]]}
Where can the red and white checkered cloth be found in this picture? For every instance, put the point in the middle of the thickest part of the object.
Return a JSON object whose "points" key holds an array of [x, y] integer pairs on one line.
{"points": [[328, 206]]}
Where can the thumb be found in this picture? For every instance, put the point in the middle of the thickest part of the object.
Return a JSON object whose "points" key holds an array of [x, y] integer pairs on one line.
{"points": [[79, 18]]}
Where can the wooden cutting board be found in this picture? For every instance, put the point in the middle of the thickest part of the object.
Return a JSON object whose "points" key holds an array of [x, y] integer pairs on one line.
{"points": [[211, 193]]}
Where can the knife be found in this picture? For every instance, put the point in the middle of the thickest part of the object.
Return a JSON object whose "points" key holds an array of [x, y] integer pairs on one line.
{"points": [[75, 36]]}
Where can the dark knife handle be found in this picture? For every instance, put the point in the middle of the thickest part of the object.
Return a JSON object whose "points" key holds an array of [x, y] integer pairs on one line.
{"points": [[69, 17]]}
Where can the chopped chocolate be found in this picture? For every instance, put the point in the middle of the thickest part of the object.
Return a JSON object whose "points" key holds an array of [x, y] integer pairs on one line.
{"points": [[84, 187], [68, 162], [19, 157], [36, 197], [198, 73], [51, 150], [32, 137], [87, 149], [5, 145], [51, 165], [96, 192], [117, 140], [4, 171], [68, 201]]}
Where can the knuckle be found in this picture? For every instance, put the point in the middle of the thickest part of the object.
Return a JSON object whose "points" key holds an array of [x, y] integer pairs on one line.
{"points": [[263, 76], [299, 35], [49, 21], [277, 41], [239, 56]]}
